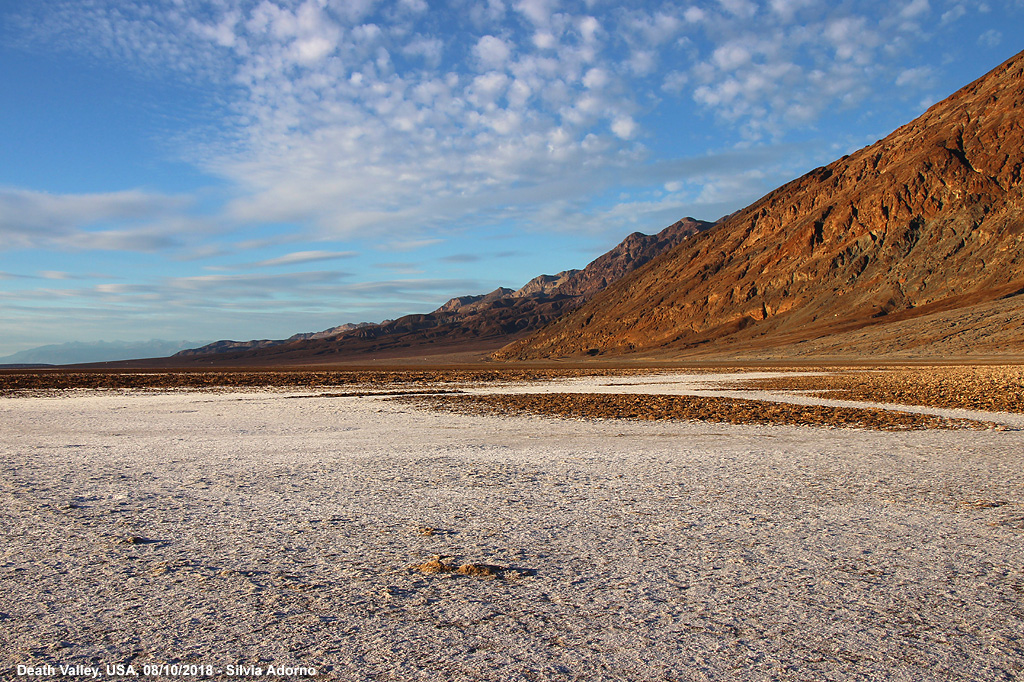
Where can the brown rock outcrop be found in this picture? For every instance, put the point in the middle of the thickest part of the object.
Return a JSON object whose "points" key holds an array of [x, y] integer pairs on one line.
{"points": [[631, 253], [929, 219]]}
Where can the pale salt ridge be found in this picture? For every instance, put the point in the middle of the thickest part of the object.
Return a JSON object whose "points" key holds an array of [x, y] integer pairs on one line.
{"points": [[269, 530]]}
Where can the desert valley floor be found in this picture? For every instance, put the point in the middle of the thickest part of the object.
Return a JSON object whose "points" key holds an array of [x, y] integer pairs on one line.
{"points": [[376, 532]]}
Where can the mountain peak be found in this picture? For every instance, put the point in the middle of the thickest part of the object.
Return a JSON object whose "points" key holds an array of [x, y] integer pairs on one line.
{"points": [[464, 324], [928, 219]]}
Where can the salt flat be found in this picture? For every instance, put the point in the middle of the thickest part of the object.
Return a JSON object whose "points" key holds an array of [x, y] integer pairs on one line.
{"points": [[271, 527]]}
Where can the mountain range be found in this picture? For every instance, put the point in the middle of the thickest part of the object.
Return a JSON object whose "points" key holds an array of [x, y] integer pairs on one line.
{"points": [[76, 352], [469, 325], [912, 245]]}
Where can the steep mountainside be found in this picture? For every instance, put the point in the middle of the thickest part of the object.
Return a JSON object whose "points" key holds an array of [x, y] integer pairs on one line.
{"points": [[928, 220], [484, 322]]}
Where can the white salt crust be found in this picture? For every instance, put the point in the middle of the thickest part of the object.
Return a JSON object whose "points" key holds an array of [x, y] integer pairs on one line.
{"points": [[267, 527]]}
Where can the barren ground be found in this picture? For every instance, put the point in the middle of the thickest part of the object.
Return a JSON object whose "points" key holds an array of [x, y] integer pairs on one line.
{"points": [[326, 527]]}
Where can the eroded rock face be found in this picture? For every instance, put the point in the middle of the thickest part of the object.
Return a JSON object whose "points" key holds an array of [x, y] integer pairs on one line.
{"points": [[631, 253], [930, 218]]}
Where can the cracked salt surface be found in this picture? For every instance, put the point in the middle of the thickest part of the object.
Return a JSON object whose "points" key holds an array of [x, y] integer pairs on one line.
{"points": [[269, 530]]}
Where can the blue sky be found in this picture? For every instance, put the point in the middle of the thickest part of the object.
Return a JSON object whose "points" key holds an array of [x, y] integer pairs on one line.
{"points": [[227, 169]]}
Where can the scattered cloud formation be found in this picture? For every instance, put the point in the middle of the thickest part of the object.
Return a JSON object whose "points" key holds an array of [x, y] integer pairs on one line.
{"points": [[344, 129], [346, 118], [990, 38], [462, 258], [917, 78], [298, 258], [125, 221]]}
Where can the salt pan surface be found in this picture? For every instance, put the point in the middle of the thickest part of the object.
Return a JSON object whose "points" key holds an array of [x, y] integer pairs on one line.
{"points": [[255, 528]]}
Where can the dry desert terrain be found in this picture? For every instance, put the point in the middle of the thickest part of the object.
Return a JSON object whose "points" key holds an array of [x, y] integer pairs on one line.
{"points": [[541, 529]]}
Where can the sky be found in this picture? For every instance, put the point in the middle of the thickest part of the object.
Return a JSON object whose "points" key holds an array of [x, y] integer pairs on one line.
{"points": [[210, 169]]}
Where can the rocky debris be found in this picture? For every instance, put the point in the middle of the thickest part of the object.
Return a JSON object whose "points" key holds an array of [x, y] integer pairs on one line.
{"points": [[446, 565], [15, 382], [691, 408], [929, 219], [987, 388], [482, 570], [988, 504], [435, 565], [137, 540]]}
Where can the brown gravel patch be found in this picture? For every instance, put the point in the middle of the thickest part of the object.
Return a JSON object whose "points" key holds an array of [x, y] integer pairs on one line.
{"points": [[13, 382], [690, 408], [994, 389]]}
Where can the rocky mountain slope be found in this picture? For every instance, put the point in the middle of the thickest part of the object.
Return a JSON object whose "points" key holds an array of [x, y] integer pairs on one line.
{"points": [[928, 221], [480, 322]]}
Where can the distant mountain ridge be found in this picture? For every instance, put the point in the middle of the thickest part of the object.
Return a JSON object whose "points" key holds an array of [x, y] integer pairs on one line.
{"points": [[493, 318], [79, 352], [928, 221]]}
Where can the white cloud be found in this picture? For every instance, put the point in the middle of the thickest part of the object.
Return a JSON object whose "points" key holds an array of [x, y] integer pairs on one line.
{"points": [[131, 220], [642, 62], [915, 9], [252, 286], [624, 127], [484, 14], [589, 28], [740, 8], [430, 50], [774, 71], [990, 38], [492, 52], [654, 29], [312, 49], [852, 39], [917, 77], [596, 78], [352, 10], [401, 129], [731, 56], [222, 32], [369, 120], [411, 244], [300, 258], [537, 11], [694, 15], [675, 82], [416, 6], [951, 15], [488, 87], [544, 40], [363, 146], [787, 8]]}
